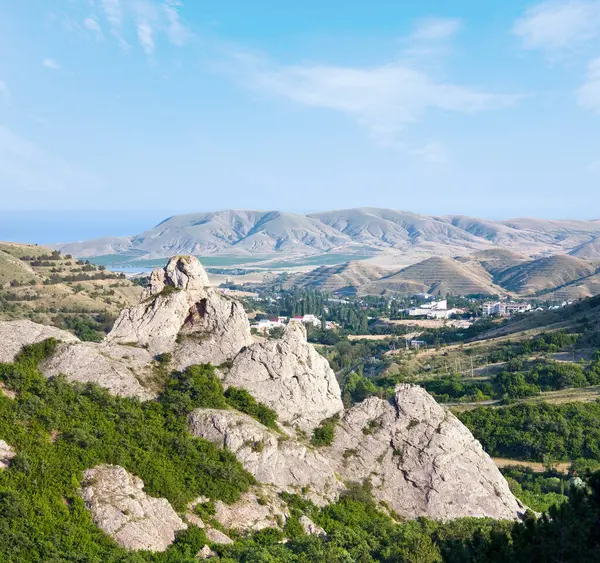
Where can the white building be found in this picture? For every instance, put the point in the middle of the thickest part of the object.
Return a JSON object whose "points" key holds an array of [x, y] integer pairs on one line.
{"points": [[433, 310], [307, 319], [504, 308]]}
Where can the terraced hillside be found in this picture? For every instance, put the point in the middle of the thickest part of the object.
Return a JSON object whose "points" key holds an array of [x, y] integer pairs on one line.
{"points": [[50, 288], [344, 278], [543, 274], [437, 276]]}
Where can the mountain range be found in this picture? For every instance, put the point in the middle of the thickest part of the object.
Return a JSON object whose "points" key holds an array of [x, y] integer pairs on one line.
{"points": [[363, 231]]}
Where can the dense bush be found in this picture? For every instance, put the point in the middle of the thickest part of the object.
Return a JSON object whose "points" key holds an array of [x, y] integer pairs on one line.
{"points": [[538, 431], [324, 434]]}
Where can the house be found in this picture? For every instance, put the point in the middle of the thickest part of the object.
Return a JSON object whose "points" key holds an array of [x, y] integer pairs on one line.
{"points": [[504, 308], [433, 310], [307, 319]]}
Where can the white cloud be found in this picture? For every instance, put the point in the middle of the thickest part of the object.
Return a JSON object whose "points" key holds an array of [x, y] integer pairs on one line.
{"points": [[93, 25], [433, 152], [25, 168], [588, 96], [144, 32], [113, 13], [150, 18], [559, 25], [51, 64], [383, 99], [436, 29], [177, 32]]}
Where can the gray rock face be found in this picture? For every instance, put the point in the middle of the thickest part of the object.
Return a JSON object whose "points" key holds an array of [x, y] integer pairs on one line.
{"points": [[420, 459], [276, 460], [121, 508], [255, 510], [180, 314], [116, 368], [16, 334], [289, 376], [6, 455], [310, 528]]}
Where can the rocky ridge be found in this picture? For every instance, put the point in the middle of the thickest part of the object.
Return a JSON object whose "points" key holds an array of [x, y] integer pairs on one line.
{"points": [[418, 458]]}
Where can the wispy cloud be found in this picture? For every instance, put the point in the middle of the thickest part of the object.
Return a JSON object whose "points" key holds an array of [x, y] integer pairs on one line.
{"points": [[25, 167], [4, 91], [588, 95], [433, 152], [559, 25], [51, 64], [149, 19], [144, 32], [93, 25], [383, 99], [436, 29]]}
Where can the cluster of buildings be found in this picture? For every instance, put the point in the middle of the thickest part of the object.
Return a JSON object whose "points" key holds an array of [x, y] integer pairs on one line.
{"points": [[504, 308], [433, 310], [265, 325]]}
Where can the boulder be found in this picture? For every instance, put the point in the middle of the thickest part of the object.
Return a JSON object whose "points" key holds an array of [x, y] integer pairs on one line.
{"points": [[119, 369], [274, 459], [6, 454], [180, 314], [122, 509], [206, 553], [420, 459], [16, 334], [216, 536], [289, 376], [256, 509], [310, 528]]}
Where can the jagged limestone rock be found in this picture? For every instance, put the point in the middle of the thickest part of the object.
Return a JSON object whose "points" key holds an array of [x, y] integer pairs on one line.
{"points": [[206, 553], [420, 459], [216, 536], [121, 508], [310, 528], [16, 334], [180, 314], [273, 459], [256, 509], [289, 376], [119, 369], [6, 454]]}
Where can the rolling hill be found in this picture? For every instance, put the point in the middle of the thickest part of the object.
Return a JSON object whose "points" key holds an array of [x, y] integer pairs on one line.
{"points": [[436, 276], [362, 231], [343, 278], [532, 277]]}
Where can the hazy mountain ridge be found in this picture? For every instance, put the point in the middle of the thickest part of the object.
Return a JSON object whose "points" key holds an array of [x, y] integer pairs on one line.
{"points": [[354, 231]]}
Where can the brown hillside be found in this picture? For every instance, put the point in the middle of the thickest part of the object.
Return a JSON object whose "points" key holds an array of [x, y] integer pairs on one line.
{"points": [[544, 274], [437, 276], [344, 277]]}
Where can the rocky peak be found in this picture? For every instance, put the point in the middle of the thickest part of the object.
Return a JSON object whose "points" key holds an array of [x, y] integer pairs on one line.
{"points": [[420, 459], [289, 376], [193, 322], [181, 272]]}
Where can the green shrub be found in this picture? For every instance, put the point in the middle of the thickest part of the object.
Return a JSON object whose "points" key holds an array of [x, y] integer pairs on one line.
{"points": [[324, 434]]}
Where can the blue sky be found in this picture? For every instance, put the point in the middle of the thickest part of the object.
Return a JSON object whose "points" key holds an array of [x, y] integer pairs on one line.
{"points": [[158, 107]]}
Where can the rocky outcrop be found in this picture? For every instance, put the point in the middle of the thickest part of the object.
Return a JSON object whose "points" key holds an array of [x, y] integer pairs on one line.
{"points": [[6, 454], [310, 528], [120, 369], [16, 334], [273, 459], [420, 459], [121, 508], [180, 314], [255, 510], [289, 376]]}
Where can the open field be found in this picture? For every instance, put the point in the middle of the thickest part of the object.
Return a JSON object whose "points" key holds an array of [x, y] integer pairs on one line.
{"points": [[533, 465]]}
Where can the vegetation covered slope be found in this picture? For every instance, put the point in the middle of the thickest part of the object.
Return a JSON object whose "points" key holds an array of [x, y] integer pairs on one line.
{"points": [[50, 288]]}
